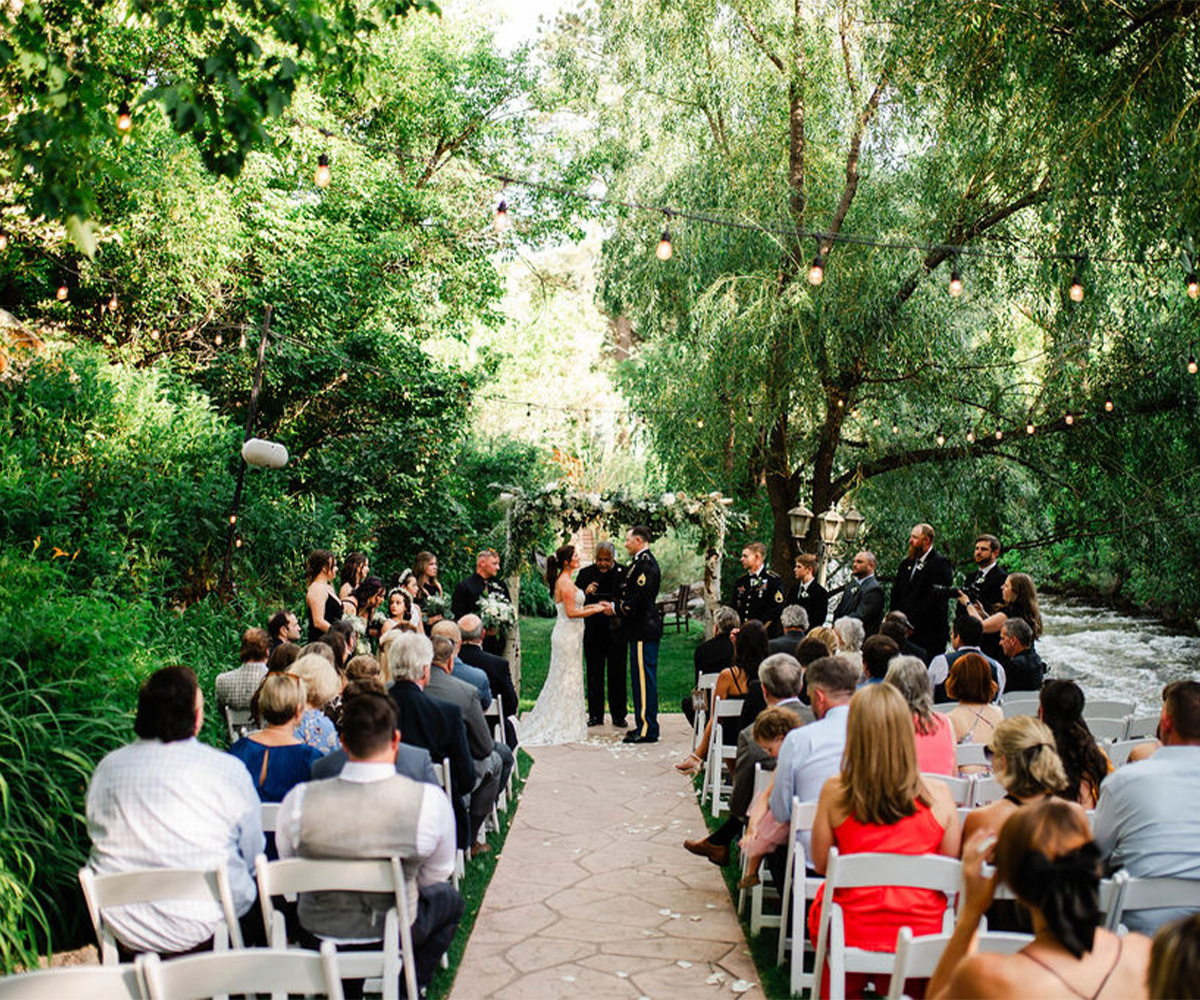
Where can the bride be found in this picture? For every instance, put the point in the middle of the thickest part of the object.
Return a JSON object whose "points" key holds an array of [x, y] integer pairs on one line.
{"points": [[559, 715]]}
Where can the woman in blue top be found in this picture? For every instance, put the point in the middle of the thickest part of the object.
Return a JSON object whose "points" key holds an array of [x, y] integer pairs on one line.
{"points": [[274, 756]]}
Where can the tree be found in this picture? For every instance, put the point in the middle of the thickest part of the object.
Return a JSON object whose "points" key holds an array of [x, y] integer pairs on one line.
{"points": [[977, 134]]}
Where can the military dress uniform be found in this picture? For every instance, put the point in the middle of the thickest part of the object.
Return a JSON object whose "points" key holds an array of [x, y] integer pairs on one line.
{"points": [[643, 630], [760, 596]]}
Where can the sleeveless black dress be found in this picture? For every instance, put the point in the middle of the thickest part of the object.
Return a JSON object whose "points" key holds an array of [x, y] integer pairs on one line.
{"points": [[333, 611]]}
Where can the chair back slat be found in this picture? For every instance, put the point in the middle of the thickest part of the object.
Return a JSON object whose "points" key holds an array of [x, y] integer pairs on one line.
{"points": [[962, 789], [96, 982], [253, 970], [1108, 729], [1141, 726], [1119, 750], [1107, 709], [917, 957]]}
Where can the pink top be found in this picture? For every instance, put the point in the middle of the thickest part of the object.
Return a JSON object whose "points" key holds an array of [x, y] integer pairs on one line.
{"points": [[935, 749]]}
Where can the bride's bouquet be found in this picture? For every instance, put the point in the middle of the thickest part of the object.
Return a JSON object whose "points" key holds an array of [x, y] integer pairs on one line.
{"points": [[497, 612]]}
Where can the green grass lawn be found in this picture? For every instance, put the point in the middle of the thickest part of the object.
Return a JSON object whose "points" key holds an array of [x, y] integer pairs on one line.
{"points": [[676, 674]]}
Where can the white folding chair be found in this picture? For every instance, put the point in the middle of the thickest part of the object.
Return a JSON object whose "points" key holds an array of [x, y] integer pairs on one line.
{"points": [[96, 982], [270, 816], [495, 717], [706, 683], [1108, 729], [1142, 726], [799, 889], [238, 722], [854, 871], [1110, 891], [1154, 894], [1107, 709], [442, 771], [987, 791], [1119, 750], [917, 957], [288, 875], [758, 893], [719, 752], [971, 755], [157, 885], [250, 971], [963, 789], [1021, 703]]}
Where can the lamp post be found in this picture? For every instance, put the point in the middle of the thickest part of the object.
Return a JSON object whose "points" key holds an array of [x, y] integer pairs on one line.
{"points": [[831, 526]]}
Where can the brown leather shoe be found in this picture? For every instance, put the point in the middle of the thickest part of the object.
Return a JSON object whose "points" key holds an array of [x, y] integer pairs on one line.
{"points": [[718, 854], [481, 848]]}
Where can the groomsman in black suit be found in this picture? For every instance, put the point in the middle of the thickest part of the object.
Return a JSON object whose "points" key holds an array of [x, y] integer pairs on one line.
{"points": [[983, 585], [921, 592], [758, 593], [485, 579], [604, 648], [643, 629], [809, 594], [863, 596]]}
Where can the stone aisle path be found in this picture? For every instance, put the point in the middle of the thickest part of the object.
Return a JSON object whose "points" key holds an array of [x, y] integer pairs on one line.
{"points": [[594, 895]]}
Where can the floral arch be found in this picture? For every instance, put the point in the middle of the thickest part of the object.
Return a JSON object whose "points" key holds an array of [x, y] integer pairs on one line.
{"points": [[530, 515]]}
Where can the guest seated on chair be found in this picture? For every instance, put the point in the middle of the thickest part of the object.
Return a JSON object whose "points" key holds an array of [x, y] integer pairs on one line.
{"points": [[1085, 763], [1046, 856], [764, 833], [1175, 961], [715, 654], [321, 684], [880, 803], [495, 667], [933, 732], [974, 718], [750, 649], [274, 756], [851, 636], [236, 688], [370, 811]]}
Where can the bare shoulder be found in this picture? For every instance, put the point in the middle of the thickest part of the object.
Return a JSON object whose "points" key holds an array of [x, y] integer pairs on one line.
{"points": [[990, 817], [985, 975]]}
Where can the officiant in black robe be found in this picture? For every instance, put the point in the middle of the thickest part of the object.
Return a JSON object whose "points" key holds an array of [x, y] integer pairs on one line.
{"points": [[605, 651]]}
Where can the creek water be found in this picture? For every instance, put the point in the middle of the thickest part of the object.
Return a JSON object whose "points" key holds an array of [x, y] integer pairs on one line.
{"points": [[1112, 654]]}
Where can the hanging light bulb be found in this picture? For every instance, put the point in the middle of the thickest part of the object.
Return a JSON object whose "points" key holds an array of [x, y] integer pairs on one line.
{"points": [[233, 518], [970, 437], [3, 242], [500, 223], [242, 341], [1108, 406], [218, 340], [854, 413], [154, 334], [941, 438], [1193, 286], [62, 292], [664, 249], [113, 303], [955, 284], [1076, 290], [323, 175], [816, 270], [875, 421], [124, 117], [1192, 366], [700, 424], [1029, 428], [999, 434], [238, 541], [749, 418], [895, 427], [1069, 419], [841, 403]]}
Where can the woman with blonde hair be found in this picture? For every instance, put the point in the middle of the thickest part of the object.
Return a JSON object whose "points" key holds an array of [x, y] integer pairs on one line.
{"points": [[274, 756], [322, 684], [827, 636], [880, 803], [1028, 767], [1175, 960], [1045, 854]]}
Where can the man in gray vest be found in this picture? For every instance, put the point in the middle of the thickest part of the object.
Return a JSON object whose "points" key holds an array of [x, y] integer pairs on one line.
{"points": [[370, 811]]}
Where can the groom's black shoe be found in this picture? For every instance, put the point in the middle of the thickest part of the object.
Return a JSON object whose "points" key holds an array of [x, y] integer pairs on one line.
{"points": [[593, 721], [634, 738], [619, 723]]}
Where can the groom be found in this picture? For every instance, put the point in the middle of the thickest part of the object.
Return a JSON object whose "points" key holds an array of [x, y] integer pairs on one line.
{"points": [[643, 629]]}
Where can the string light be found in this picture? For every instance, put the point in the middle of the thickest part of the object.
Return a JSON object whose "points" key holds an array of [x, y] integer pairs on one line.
{"points": [[999, 434], [956, 285], [154, 334], [700, 424], [62, 292], [242, 341], [816, 270], [500, 222], [854, 413], [218, 340], [895, 427], [233, 518], [1076, 290], [970, 437], [841, 403], [3, 242], [1069, 419], [1193, 286], [941, 438], [875, 421], [1108, 406], [238, 541], [124, 117], [323, 175], [113, 303], [1029, 428], [1192, 366], [664, 249]]}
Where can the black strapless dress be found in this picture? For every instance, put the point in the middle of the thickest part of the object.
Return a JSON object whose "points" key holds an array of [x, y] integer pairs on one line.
{"points": [[333, 611]]}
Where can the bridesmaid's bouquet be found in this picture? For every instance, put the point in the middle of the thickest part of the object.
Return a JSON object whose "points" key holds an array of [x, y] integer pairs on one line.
{"points": [[434, 605], [496, 612]]}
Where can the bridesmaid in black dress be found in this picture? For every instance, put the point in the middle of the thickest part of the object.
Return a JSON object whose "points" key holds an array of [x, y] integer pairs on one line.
{"points": [[324, 606]]}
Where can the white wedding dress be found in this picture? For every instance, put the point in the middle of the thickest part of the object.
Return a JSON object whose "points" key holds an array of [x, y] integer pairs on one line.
{"points": [[560, 716]]}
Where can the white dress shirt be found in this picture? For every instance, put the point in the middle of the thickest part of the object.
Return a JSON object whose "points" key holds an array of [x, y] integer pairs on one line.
{"points": [[173, 805], [435, 827]]}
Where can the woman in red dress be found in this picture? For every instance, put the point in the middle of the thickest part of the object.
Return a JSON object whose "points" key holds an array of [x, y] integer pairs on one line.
{"points": [[880, 803]]}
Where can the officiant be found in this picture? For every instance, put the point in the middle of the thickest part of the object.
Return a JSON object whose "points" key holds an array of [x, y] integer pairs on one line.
{"points": [[604, 647]]}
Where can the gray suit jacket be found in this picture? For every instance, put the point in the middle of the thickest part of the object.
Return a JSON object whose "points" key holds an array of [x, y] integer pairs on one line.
{"points": [[412, 762], [450, 689]]}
